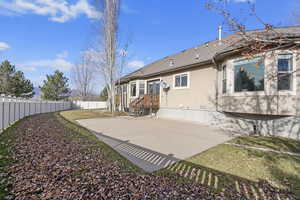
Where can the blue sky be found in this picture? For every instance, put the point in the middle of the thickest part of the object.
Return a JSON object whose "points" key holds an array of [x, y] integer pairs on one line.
{"points": [[39, 36]]}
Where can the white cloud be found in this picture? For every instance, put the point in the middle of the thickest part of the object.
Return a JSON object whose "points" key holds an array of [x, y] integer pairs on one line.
{"points": [[136, 64], [63, 54], [57, 10], [59, 63], [4, 46]]}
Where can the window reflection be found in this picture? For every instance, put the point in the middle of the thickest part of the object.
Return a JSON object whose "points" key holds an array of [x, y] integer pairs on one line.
{"points": [[249, 75]]}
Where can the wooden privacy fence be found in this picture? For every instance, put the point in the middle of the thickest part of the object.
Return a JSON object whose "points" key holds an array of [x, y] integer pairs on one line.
{"points": [[13, 109]]}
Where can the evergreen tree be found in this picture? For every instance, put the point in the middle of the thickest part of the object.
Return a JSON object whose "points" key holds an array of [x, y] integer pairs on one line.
{"points": [[56, 87], [13, 82], [104, 94]]}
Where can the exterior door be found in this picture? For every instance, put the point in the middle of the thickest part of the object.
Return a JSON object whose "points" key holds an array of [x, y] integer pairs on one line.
{"points": [[153, 87], [153, 94]]}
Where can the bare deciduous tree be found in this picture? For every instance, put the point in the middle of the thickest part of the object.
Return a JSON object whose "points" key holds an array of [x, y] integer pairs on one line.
{"points": [[106, 50], [83, 75], [107, 53], [252, 42]]}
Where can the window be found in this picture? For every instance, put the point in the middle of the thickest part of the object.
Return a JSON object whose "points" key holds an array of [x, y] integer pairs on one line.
{"points": [[118, 89], [124, 88], [133, 89], [224, 79], [249, 75], [142, 89], [153, 87], [181, 81], [285, 71]]}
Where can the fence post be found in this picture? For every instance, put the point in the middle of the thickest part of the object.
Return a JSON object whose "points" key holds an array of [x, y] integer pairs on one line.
{"points": [[24, 109], [19, 109], [29, 108], [8, 110], [2, 115], [14, 103], [34, 107]]}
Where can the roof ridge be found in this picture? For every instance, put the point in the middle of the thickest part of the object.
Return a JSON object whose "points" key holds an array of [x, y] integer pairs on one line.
{"points": [[210, 41], [211, 48], [275, 27]]}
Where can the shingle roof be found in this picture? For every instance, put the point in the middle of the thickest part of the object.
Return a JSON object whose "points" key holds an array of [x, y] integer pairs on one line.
{"points": [[201, 54]]}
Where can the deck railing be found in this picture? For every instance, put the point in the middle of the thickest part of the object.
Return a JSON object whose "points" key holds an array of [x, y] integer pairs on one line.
{"points": [[148, 102]]}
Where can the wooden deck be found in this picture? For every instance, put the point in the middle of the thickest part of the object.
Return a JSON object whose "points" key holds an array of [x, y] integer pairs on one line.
{"points": [[145, 103]]}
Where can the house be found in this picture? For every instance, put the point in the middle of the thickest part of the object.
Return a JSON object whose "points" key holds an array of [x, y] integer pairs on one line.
{"points": [[218, 84]]}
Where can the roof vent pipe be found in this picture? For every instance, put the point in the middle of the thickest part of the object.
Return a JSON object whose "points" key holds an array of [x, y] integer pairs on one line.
{"points": [[220, 34]]}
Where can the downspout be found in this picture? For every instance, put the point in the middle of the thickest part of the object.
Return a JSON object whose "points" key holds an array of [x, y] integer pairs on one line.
{"points": [[217, 67]]}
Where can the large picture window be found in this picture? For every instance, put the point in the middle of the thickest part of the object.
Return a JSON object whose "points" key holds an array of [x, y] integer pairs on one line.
{"points": [[181, 80], [249, 75], [285, 71], [133, 89]]}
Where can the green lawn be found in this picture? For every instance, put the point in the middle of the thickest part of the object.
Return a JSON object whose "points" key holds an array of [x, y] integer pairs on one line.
{"points": [[74, 115], [275, 143], [6, 141], [279, 169]]}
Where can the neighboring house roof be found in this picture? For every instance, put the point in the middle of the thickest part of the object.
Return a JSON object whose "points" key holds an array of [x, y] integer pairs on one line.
{"points": [[199, 55]]}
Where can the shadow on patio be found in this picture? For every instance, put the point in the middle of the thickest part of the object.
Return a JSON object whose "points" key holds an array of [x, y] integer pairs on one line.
{"points": [[168, 165]]}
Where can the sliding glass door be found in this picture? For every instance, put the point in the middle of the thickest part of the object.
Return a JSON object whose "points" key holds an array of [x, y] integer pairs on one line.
{"points": [[153, 87]]}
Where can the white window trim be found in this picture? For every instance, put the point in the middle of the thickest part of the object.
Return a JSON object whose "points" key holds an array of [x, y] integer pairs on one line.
{"points": [[224, 65], [145, 86], [136, 89], [228, 77], [267, 90], [294, 81], [188, 81], [160, 88]]}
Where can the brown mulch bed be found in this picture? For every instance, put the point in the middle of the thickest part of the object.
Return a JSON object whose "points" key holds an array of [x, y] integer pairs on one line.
{"points": [[52, 162]]}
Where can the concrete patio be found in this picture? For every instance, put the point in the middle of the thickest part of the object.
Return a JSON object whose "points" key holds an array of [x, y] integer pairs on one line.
{"points": [[153, 143]]}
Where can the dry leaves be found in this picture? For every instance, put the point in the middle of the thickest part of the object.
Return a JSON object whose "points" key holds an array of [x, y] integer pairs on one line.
{"points": [[51, 165]]}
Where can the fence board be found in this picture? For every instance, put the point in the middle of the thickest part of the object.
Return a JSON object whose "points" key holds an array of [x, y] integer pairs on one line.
{"points": [[11, 112], [1, 115], [6, 115], [22, 109]]}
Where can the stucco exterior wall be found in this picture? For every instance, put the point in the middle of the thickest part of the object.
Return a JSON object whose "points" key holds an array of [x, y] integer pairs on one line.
{"points": [[267, 102], [241, 125], [200, 93]]}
